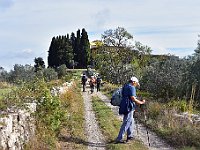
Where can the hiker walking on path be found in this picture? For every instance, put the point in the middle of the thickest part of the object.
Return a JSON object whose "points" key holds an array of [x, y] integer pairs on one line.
{"points": [[127, 107], [98, 83], [84, 80], [92, 84]]}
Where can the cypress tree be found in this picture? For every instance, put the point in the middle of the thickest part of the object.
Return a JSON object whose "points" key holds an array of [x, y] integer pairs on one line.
{"points": [[69, 53], [77, 56], [70, 50], [85, 49], [52, 57]]}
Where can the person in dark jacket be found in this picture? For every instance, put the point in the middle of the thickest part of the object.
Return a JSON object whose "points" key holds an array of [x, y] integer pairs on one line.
{"points": [[98, 81], [84, 80]]}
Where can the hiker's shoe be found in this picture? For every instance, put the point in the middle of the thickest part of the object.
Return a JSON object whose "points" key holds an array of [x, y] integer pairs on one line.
{"points": [[130, 139], [119, 142]]}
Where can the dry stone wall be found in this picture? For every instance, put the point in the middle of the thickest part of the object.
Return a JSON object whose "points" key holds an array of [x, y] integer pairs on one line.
{"points": [[16, 127]]}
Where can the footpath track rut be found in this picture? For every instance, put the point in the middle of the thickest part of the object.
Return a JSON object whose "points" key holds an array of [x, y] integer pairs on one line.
{"points": [[95, 138]]}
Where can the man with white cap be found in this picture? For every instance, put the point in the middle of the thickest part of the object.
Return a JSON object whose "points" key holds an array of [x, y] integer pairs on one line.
{"points": [[129, 95]]}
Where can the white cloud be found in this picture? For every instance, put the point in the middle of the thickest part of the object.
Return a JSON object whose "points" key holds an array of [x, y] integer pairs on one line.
{"points": [[27, 51]]}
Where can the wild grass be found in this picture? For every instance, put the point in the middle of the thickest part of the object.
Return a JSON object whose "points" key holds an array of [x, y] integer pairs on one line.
{"points": [[178, 131], [108, 89], [73, 133], [110, 126], [5, 89]]}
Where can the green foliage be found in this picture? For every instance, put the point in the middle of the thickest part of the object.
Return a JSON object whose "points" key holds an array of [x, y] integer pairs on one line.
{"points": [[117, 60], [50, 74], [39, 64], [164, 78], [84, 50], [109, 88], [62, 71], [73, 51], [118, 37], [50, 113], [179, 105], [20, 74], [3, 75]]}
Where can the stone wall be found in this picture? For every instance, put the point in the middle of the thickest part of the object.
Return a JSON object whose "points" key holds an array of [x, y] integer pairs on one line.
{"points": [[16, 127]]}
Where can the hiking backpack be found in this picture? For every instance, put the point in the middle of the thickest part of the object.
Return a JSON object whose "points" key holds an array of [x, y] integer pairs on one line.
{"points": [[116, 97], [84, 79], [98, 80]]}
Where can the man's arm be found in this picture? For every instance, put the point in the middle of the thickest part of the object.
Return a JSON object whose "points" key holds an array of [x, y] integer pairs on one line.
{"points": [[137, 100]]}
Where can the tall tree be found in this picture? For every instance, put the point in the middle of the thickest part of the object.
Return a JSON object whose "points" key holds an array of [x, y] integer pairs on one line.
{"points": [[118, 37], [52, 61], [77, 56], [84, 49], [69, 53], [70, 50], [115, 55]]}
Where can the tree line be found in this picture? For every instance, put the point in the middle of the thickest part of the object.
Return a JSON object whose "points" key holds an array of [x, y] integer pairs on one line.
{"points": [[73, 51]]}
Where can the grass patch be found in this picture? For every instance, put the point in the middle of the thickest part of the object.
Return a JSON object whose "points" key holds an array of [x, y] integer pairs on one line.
{"points": [[73, 133], [110, 126]]}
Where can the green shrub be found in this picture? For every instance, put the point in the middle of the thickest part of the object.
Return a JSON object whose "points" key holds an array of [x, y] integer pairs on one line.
{"points": [[154, 109], [179, 105], [108, 88]]}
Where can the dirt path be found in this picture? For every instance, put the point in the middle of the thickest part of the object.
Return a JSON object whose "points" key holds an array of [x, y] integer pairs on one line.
{"points": [[94, 135], [156, 143]]}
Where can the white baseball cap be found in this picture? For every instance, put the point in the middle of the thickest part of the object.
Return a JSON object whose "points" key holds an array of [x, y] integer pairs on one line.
{"points": [[134, 79]]}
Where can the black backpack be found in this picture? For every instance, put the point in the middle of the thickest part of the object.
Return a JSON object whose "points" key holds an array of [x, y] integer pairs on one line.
{"points": [[84, 79], [98, 80]]}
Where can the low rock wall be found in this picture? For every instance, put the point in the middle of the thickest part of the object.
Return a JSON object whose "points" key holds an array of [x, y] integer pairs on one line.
{"points": [[16, 127]]}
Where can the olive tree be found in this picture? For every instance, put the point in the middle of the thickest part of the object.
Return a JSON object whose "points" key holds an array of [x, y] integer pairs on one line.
{"points": [[164, 79], [115, 56]]}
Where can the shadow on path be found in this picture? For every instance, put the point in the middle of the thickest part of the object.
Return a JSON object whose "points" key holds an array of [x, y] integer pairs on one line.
{"points": [[80, 141]]}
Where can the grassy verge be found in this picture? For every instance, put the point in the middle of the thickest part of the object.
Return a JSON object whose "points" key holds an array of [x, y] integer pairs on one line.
{"points": [[179, 132], [110, 126], [72, 135]]}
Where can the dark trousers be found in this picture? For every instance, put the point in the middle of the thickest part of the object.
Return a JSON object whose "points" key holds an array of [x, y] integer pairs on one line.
{"points": [[98, 87], [84, 87]]}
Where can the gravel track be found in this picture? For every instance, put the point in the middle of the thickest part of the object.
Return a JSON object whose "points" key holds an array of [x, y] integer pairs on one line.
{"points": [[94, 135]]}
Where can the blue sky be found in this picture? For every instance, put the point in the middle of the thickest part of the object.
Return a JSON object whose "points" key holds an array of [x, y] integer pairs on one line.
{"points": [[27, 26]]}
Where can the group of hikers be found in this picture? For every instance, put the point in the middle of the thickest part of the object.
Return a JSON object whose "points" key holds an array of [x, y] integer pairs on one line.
{"points": [[94, 81], [127, 107]]}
